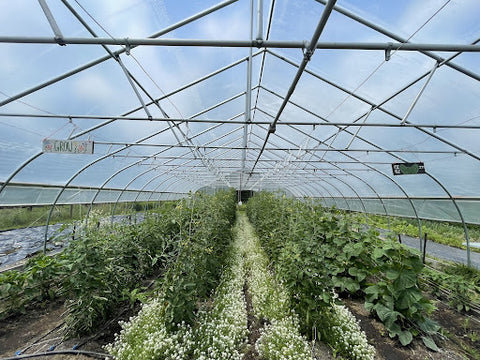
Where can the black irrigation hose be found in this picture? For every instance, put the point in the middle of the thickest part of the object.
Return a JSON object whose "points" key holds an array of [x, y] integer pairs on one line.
{"points": [[42, 337], [59, 352]]}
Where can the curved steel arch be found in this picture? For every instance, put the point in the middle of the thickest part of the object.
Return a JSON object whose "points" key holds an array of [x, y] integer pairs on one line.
{"points": [[438, 182], [283, 138], [351, 157], [113, 119], [379, 106], [340, 193], [347, 172], [375, 170], [79, 172]]}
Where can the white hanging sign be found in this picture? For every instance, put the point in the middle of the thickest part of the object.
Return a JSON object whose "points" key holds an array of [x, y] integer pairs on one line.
{"points": [[67, 146]]}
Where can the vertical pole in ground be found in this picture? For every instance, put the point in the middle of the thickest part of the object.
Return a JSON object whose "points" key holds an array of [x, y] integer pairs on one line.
{"points": [[424, 248], [399, 238]]}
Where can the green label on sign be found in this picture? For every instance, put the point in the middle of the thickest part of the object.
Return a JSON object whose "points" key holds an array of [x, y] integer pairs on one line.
{"points": [[408, 168]]}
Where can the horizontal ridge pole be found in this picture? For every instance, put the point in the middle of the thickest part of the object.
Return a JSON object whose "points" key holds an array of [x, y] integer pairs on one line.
{"points": [[243, 43]]}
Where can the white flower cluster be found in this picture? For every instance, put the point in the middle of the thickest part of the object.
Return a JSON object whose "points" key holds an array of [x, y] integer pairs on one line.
{"points": [[223, 329], [269, 299], [219, 332], [347, 334], [281, 338], [146, 337]]}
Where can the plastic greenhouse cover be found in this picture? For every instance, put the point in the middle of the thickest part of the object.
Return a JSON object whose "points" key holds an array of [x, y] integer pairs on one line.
{"points": [[166, 120]]}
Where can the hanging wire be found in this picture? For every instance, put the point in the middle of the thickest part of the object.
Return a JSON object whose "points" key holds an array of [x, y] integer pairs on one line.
{"points": [[20, 128], [373, 72], [27, 104], [130, 54], [384, 61], [141, 67]]}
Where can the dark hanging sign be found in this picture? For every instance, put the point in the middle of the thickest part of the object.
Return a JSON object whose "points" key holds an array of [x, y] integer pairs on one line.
{"points": [[408, 168]]}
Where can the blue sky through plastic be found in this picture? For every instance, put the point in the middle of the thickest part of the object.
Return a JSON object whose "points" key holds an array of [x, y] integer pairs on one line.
{"points": [[340, 86]]}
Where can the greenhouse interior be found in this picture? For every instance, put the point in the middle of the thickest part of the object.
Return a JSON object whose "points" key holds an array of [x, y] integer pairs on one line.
{"points": [[266, 164]]}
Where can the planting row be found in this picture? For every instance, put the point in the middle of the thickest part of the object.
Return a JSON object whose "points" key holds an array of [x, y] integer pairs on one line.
{"points": [[218, 329], [221, 330], [317, 254], [184, 241]]}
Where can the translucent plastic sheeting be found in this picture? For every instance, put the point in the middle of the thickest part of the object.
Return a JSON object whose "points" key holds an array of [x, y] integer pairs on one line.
{"points": [[21, 195], [167, 120], [432, 209]]}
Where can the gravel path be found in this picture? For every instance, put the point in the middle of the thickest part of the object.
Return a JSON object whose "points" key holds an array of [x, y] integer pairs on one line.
{"points": [[441, 251]]}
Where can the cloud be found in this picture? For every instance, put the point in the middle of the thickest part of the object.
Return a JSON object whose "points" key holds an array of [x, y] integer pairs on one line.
{"points": [[227, 26], [453, 23], [93, 87]]}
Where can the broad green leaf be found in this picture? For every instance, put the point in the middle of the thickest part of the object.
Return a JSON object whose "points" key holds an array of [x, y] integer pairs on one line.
{"points": [[358, 273], [352, 285], [383, 312], [374, 289], [378, 253], [429, 326], [429, 343], [405, 337], [408, 298], [394, 330], [405, 280], [392, 274], [369, 305]]}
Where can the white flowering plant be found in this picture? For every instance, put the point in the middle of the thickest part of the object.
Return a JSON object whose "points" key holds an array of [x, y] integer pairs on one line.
{"points": [[222, 330], [280, 338], [219, 332], [146, 337], [342, 331]]}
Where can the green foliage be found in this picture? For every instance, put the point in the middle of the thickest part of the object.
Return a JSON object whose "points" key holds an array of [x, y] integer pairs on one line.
{"points": [[104, 265], [37, 282], [316, 253], [202, 244], [19, 217], [451, 234], [458, 284], [396, 298]]}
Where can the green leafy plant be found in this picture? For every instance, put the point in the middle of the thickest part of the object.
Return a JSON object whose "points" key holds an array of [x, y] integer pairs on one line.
{"points": [[104, 264], [316, 252], [457, 284]]}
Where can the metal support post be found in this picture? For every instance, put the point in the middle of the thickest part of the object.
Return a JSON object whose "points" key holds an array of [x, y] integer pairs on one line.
{"points": [[260, 20], [248, 101], [419, 94], [52, 22]]}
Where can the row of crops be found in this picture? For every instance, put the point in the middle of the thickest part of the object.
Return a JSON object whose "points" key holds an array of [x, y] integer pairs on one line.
{"points": [[265, 297], [182, 244], [318, 254]]}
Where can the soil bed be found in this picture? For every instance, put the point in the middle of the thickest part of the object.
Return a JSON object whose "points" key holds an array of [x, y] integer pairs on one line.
{"points": [[450, 346]]}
